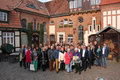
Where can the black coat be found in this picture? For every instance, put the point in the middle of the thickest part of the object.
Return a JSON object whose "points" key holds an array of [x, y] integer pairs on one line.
{"points": [[23, 54], [93, 53], [43, 57], [85, 55], [96, 47]]}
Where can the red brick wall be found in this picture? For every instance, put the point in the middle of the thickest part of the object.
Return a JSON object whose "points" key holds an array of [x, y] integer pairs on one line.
{"points": [[109, 7], [87, 18], [39, 19]]}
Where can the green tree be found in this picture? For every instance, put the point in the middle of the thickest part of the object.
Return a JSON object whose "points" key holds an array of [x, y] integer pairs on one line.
{"points": [[41, 33], [30, 33]]}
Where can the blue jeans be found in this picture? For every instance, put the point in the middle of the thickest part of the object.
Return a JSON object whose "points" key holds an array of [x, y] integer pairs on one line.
{"points": [[104, 61], [96, 61], [99, 61], [28, 66], [69, 67]]}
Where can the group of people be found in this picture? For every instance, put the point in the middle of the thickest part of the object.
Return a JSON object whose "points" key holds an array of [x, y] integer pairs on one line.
{"points": [[64, 57]]}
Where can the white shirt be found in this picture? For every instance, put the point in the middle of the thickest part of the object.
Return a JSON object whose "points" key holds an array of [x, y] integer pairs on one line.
{"points": [[103, 50], [26, 50], [83, 54], [78, 50]]}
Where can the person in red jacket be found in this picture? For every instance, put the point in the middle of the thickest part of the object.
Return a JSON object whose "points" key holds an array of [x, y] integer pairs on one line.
{"points": [[28, 57], [68, 60]]}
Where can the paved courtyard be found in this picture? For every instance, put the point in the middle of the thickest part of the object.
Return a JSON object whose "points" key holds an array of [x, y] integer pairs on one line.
{"points": [[12, 71]]}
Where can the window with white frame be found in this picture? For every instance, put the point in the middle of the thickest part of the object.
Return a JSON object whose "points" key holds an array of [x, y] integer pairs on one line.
{"points": [[70, 38], [94, 24], [90, 28], [98, 28], [52, 22], [79, 3], [70, 22], [65, 21], [8, 37], [75, 4], [44, 25], [83, 0], [3, 16], [71, 4], [93, 2], [61, 23]]}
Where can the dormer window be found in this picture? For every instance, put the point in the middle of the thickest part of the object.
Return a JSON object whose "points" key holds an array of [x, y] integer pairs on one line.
{"points": [[3, 16], [41, 7]]}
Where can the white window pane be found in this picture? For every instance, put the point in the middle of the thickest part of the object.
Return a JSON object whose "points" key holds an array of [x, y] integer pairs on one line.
{"points": [[75, 4], [65, 21], [98, 2], [1, 16], [79, 3], [71, 4], [70, 22], [92, 2], [4, 39], [5, 17]]}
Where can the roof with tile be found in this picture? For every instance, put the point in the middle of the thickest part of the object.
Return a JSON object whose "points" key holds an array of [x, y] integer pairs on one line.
{"points": [[14, 21], [104, 2], [40, 7], [5, 3], [57, 7]]}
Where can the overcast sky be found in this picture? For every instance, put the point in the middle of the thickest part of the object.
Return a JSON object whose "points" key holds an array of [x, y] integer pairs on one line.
{"points": [[44, 0]]}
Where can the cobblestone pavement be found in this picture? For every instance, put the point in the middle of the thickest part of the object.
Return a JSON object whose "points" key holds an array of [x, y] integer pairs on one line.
{"points": [[12, 71]]}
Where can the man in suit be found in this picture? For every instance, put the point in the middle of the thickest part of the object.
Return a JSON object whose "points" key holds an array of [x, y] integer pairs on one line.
{"points": [[24, 56], [84, 55], [105, 52], [90, 52], [20, 54], [39, 56]]}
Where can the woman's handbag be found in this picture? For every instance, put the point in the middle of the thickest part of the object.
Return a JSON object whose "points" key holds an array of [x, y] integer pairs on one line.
{"points": [[32, 67]]}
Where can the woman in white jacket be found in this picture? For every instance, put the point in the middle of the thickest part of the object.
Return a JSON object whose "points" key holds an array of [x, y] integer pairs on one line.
{"points": [[61, 59]]}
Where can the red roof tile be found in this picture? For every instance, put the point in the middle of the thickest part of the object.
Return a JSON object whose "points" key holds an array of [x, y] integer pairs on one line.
{"points": [[5, 3], [14, 21], [104, 2], [57, 7], [40, 6]]}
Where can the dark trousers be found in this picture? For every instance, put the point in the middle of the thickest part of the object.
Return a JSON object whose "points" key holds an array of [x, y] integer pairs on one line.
{"points": [[77, 66], [47, 64], [39, 64], [62, 66], [51, 65], [44, 67], [99, 61], [84, 64], [24, 62], [92, 61], [89, 60], [20, 63]]}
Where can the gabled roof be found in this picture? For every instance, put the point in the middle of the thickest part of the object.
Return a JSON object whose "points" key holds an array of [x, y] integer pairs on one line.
{"points": [[57, 7], [40, 7], [104, 2], [108, 28]]}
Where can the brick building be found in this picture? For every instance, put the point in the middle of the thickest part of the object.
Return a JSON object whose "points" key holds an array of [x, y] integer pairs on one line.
{"points": [[63, 20]]}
